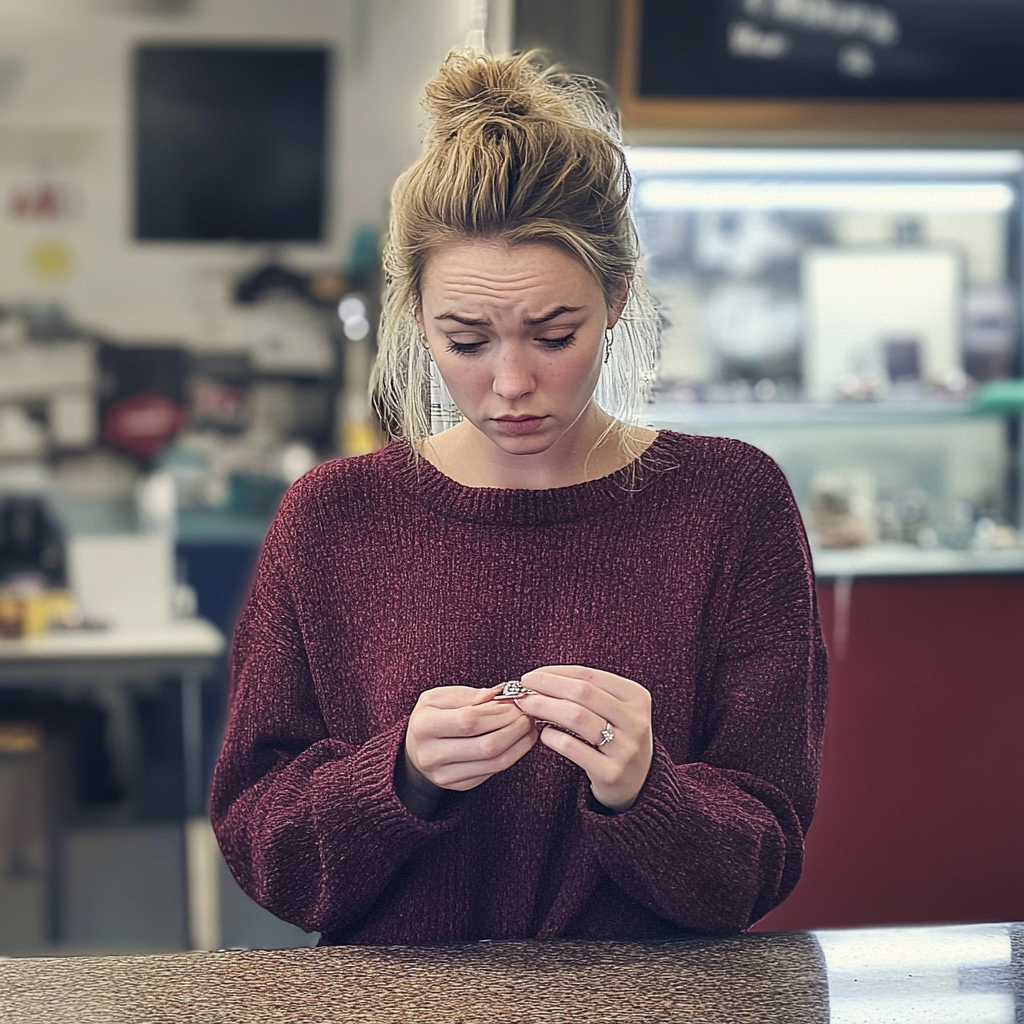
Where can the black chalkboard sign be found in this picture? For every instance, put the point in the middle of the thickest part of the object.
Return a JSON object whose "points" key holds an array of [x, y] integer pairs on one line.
{"points": [[900, 49], [959, 56]]}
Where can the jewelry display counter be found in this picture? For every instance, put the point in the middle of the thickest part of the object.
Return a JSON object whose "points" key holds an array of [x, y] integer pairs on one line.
{"points": [[920, 813], [967, 973]]}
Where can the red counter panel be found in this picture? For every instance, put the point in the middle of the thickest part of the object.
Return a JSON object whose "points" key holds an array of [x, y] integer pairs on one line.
{"points": [[920, 814]]}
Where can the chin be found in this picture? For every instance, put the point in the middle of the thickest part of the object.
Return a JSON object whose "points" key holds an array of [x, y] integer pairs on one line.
{"points": [[528, 445], [523, 446]]}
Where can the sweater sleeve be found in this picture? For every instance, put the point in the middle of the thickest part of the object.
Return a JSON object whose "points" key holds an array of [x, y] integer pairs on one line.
{"points": [[717, 842], [310, 825]]}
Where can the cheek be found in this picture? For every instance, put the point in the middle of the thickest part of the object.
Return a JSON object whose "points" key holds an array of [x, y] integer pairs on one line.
{"points": [[461, 379], [582, 375]]}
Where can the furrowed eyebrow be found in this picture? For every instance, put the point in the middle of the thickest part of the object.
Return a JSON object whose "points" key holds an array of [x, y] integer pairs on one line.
{"points": [[529, 321], [465, 320], [533, 321]]}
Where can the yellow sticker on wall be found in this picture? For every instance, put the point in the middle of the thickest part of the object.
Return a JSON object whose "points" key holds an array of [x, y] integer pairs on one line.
{"points": [[51, 259]]}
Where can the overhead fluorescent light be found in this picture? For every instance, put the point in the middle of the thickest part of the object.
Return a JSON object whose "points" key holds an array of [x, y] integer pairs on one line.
{"points": [[661, 159], [877, 197]]}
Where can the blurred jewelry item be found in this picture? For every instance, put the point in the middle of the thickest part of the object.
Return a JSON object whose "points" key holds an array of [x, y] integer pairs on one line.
{"points": [[606, 734], [608, 339], [843, 508], [513, 689]]}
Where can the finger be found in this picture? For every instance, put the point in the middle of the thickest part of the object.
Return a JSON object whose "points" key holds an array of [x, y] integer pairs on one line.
{"points": [[588, 758], [462, 775], [567, 714], [616, 686], [452, 697], [579, 692], [435, 753], [602, 769], [471, 720], [614, 783], [488, 693]]}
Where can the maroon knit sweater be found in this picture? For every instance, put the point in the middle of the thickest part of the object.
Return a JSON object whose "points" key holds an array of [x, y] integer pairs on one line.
{"points": [[381, 578]]}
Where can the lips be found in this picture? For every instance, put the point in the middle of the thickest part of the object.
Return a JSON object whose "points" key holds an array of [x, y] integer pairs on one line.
{"points": [[519, 424]]}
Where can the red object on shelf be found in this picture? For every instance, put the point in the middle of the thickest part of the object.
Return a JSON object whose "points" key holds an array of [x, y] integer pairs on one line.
{"points": [[920, 815], [43, 200], [142, 424]]}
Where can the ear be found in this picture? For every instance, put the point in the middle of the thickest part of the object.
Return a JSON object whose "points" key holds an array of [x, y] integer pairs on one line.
{"points": [[618, 304], [418, 314]]}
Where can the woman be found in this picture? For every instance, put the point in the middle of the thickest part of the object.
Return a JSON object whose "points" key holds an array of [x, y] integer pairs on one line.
{"points": [[543, 673]]}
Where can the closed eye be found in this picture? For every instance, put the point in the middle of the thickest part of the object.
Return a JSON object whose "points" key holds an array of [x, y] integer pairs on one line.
{"points": [[467, 348], [463, 348], [556, 343]]}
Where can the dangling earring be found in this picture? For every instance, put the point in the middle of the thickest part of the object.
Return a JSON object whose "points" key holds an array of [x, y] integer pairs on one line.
{"points": [[608, 339]]}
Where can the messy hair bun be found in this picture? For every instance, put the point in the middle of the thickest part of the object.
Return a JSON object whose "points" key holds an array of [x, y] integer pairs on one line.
{"points": [[514, 150], [474, 92]]}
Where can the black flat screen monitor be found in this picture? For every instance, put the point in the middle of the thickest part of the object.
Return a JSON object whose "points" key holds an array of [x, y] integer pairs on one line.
{"points": [[230, 143]]}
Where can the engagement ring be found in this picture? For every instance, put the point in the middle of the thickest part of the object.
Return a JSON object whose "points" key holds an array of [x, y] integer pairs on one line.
{"points": [[512, 689]]}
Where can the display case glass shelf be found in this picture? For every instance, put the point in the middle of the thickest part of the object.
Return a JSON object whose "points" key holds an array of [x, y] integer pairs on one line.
{"points": [[838, 309], [925, 480]]}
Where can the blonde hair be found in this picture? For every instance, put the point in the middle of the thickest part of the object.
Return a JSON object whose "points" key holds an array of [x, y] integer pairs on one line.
{"points": [[519, 152]]}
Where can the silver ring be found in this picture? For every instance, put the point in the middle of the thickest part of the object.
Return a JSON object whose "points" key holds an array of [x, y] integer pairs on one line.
{"points": [[606, 734], [512, 689]]}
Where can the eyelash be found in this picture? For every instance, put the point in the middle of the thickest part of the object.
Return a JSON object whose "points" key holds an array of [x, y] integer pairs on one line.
{"points": [[551, 344], [554, 344]]}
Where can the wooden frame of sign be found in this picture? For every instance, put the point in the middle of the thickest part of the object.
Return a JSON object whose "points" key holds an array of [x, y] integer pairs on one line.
{"points": [[680, 113]]}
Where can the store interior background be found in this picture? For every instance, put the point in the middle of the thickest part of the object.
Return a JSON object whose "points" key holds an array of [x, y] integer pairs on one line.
{"points": [[175, 388]]}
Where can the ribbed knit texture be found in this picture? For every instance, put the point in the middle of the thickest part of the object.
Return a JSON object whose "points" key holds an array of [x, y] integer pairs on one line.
{"points": [[381, 578]]}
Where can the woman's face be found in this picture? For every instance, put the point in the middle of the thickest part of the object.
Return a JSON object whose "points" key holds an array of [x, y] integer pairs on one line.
{"points": [[517, 333]]}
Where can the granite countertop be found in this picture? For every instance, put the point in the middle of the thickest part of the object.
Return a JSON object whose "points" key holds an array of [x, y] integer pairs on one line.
{"points": [[955, 973]]}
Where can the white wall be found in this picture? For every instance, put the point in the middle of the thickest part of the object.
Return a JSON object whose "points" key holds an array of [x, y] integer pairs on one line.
{"points": [[65, 113]]}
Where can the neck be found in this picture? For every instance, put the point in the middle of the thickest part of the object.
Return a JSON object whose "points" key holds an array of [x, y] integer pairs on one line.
{"points": [[584, 453]]}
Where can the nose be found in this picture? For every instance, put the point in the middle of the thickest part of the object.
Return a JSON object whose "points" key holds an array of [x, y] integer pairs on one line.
{"points": [[513, 374]]}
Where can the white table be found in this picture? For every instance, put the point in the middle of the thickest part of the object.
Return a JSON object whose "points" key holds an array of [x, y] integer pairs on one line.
{"points": [[181, 645], [186, 649]]}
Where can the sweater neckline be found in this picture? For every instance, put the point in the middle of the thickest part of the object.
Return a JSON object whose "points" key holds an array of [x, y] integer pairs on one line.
{"points": [[507, 506]]}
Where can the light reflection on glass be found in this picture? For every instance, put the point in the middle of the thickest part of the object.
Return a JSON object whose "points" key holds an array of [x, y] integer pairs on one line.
{"points": [[897, 949], [919, 976], [971, 1008]]}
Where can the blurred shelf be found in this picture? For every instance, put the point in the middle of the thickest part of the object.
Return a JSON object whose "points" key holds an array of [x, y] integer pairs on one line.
{"points": [[910, 560], [219, 526], [711, 415]]}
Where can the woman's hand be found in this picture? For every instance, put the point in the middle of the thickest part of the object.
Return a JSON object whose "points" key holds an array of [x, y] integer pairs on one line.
{"points": [[594, 704], [458, 737]]}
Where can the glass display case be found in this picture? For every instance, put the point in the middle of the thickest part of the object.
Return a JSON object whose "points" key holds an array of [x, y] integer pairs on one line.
{"points": [[839, 309]]}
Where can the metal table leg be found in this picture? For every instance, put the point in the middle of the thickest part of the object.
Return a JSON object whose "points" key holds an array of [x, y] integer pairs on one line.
{"points": [[202, 856]]}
